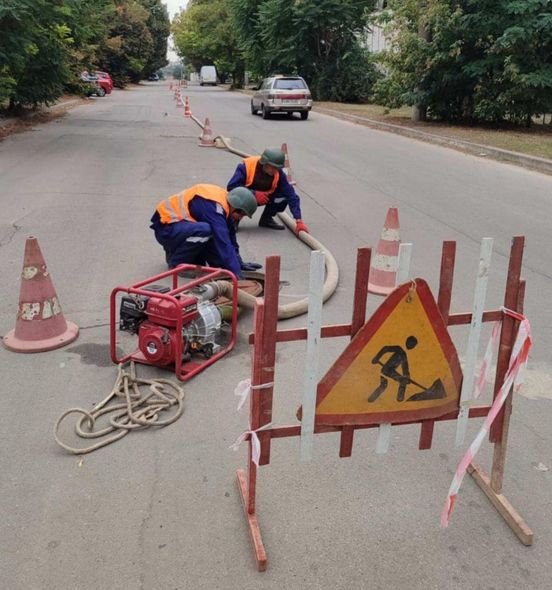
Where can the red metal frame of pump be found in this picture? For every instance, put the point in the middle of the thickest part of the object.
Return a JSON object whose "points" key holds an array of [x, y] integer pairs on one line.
{"points": [[183, 371]]}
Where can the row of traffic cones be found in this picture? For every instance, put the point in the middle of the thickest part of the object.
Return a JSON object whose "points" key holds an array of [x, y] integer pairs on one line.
{"points": [[40, 324]]}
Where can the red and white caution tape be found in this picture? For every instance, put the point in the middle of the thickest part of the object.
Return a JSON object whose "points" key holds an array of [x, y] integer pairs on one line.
{"points": [[513, 379], [243, 389], [255, 442]]}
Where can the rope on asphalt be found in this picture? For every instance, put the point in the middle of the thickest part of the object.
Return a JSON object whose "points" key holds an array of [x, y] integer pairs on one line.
{"points": [[137, 410]]}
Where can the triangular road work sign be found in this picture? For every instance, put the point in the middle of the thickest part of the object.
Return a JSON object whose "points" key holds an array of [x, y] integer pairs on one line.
{"points": [[401, 366]]}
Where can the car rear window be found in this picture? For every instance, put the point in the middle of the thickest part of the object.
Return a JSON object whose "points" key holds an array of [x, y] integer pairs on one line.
{"points": [[289, 84]]}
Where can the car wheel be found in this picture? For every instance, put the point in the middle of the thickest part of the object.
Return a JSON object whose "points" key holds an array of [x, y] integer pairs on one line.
{"points": [[265, 112], [101, 92], [304, 115], [253, 109]]}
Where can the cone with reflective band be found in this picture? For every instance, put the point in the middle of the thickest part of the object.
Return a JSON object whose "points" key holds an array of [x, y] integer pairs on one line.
{"points": [[286, 164], [206, 138], [187, 109], [179, 102], [385, 263], [40, 324]]}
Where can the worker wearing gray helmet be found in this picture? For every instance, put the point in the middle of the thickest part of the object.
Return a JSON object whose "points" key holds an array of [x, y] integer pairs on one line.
{"points": [[196, 226], [265, 176]]}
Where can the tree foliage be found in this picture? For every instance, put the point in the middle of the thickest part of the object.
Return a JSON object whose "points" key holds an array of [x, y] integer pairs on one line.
{"points": [[470, 60], [45, 44], [204, 35], [318, 39]]}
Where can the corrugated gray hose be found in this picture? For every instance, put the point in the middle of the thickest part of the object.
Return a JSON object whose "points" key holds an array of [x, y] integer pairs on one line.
{"points": [[295, 308]]}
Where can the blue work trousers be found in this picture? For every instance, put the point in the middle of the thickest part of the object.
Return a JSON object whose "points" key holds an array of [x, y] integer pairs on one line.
{"points": [[186, 242]]}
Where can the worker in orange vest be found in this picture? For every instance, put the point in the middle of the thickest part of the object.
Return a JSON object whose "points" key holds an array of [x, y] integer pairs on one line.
{"points": [[265, 176], [196, 226]]}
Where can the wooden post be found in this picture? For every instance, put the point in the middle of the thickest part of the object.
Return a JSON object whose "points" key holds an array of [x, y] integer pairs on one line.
{"points": [[492, 486], [247, 484], [446, 279], [507, 333], [264, 372], [360, 299]]}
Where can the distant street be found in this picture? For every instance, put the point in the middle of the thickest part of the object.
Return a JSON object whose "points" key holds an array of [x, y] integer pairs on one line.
{"points": [[160, 509]]}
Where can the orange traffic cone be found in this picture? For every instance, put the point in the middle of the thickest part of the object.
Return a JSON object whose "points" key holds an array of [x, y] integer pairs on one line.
{"points": [[206, 139], [40, 324], [286, 164], [187, 109], [385, 264]]}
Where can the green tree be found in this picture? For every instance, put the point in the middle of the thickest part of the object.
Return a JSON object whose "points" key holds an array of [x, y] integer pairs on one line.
{"points": [[318, 39], [475, 61], [204, 34], [158, 24], [129, 45], [34, 41]]}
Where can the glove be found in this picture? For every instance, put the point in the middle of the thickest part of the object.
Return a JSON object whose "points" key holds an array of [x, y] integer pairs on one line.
{"points": [[250, 266], [300, 226], [262, 197]]}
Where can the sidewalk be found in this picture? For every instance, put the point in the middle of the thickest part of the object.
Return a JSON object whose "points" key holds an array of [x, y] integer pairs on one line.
{"points": [[543, 165]]}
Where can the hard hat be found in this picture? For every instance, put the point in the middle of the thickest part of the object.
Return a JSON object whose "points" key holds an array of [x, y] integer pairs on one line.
{"points": [[243, 199], [273, 156]]}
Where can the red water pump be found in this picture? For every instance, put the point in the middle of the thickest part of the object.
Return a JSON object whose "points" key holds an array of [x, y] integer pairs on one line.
{"points": [[179, 325]]}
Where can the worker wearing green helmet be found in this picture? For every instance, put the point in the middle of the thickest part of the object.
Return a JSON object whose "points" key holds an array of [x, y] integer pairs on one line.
{"points": [[264, 175], [197, 226]]}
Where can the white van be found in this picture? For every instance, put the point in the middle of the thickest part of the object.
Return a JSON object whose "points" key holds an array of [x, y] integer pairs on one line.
{"points": [[208, 75]]}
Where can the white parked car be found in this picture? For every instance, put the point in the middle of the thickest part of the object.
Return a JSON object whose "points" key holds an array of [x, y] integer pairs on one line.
{"points": [[282, 94]]}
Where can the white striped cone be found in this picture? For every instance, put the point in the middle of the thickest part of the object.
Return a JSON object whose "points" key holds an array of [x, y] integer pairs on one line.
{"points": [[385, 263], [286, 164], [206, 139], [179, 102], [187, 109]]}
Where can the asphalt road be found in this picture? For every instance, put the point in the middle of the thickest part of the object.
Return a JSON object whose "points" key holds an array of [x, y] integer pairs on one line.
{"points": [[160, 509]]}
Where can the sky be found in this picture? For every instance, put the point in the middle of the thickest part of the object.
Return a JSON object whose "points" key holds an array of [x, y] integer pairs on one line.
{"points": [[173, 6]]}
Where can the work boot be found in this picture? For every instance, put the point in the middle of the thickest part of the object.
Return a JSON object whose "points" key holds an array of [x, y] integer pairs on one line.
{"points": [[268, 221]]}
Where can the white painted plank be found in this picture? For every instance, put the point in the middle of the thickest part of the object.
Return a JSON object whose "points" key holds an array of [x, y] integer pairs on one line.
{"points": [[403, 272], [314, 323], [472, 347]]}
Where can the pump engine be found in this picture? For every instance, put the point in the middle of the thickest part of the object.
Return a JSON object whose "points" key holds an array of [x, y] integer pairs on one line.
{"points": [[181, 327]]}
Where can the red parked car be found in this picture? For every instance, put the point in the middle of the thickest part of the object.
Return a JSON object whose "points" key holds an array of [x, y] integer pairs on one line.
{"points": [[105, 77], [101, 81]]}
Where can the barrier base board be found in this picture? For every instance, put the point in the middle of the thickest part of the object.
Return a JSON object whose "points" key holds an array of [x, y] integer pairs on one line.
{"points": [[253, 523], [505, 509]]}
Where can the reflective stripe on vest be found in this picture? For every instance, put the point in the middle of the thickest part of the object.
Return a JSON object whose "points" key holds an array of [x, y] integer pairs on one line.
{"points": [[250, 167], [176, 207]]}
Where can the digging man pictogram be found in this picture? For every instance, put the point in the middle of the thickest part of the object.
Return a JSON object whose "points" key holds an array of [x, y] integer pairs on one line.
{"points": [[396, 368]]}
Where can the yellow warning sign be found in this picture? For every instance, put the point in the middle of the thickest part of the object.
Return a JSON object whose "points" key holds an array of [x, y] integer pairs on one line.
{"points": [[401, 366]]}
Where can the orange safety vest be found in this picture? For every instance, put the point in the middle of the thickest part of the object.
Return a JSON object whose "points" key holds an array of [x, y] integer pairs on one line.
{"points": [[250, 167], [176, 207]]}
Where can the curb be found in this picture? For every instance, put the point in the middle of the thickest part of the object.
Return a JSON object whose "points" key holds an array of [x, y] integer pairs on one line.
{"points": [[6, 122], [532, 162]]}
